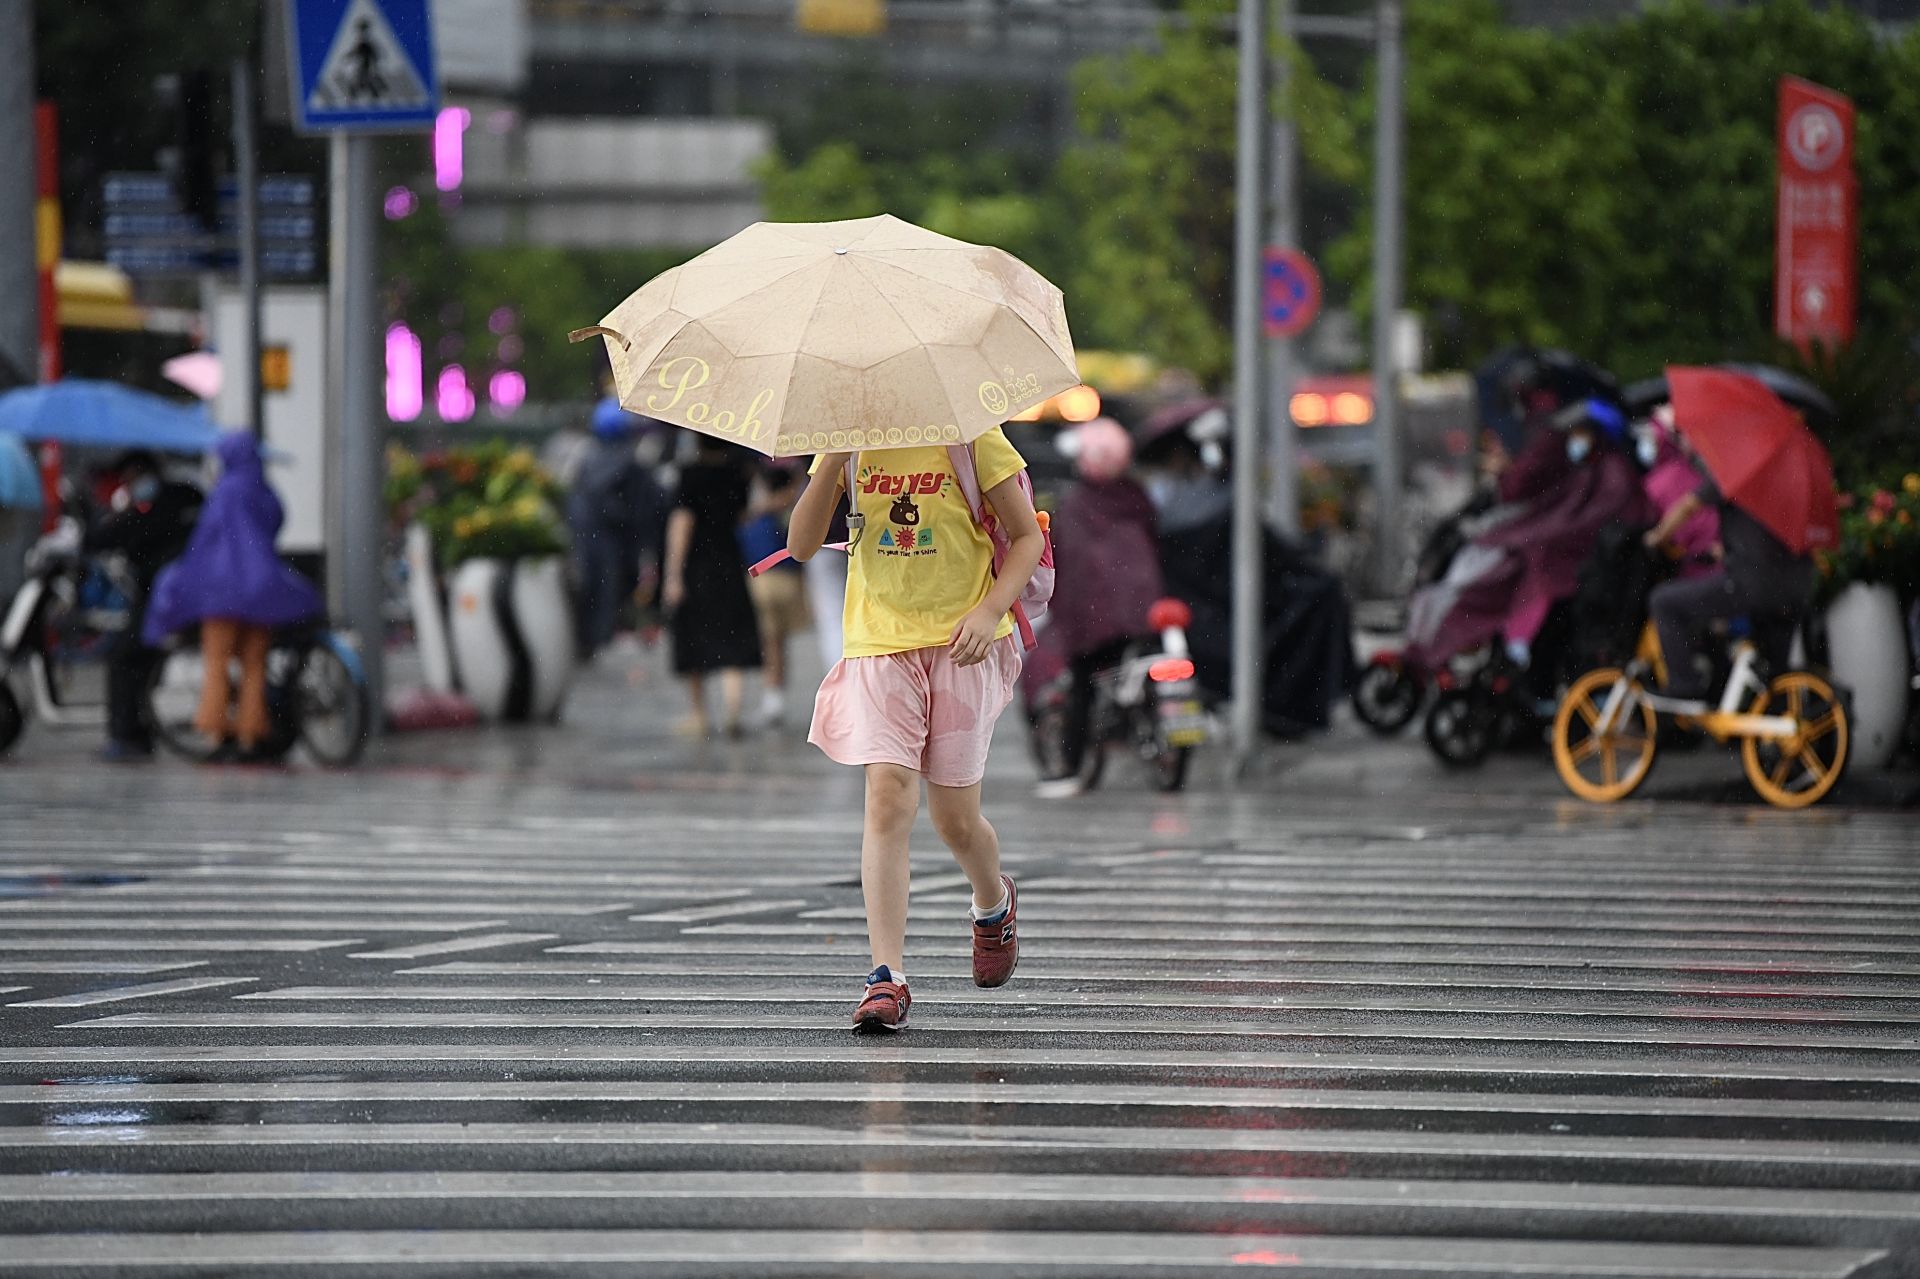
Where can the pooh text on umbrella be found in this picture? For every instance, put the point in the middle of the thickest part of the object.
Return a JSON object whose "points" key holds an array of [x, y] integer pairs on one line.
{"points": [[685, 374]]}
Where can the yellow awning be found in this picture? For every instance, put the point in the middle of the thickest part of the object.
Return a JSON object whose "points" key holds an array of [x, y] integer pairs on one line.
{"points": [[95, 295]]}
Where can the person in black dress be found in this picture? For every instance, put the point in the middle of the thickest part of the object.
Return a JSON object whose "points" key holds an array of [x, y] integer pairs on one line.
{"points": [[704, 584]]}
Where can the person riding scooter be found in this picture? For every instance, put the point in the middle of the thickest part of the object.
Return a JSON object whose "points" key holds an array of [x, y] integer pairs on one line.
{"points": [[1107, 575], [149, 522]]}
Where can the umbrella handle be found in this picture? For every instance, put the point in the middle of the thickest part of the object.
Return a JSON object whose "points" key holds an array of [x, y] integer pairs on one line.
{"points": [[599, 330]]}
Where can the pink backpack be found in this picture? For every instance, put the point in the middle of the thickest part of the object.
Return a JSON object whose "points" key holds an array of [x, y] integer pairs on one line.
{"points": [[1038, 591]]}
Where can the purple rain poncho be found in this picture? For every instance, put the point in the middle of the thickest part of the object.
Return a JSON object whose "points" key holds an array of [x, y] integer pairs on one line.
{"points": [[230, 569]]}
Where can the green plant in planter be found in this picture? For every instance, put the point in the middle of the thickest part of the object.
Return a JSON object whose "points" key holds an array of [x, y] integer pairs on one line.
{"points": [[483, 501], [1879, 541]]}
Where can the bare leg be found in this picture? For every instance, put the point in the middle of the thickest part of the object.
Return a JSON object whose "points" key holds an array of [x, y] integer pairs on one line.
{"points": [[893, 800], [733, 691], [774, 654], [219, 640], [697, 694], [255, 723], [956, 816]]}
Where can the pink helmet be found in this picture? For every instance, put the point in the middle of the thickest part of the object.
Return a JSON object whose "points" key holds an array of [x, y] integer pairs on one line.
{"points": [[1102, 450]]}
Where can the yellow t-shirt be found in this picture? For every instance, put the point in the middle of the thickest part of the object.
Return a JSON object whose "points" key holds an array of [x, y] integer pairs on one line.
{"points": [[924, 562]]}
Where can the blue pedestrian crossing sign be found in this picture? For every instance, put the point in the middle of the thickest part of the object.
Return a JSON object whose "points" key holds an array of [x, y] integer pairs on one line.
{"points": [[362, 65]]}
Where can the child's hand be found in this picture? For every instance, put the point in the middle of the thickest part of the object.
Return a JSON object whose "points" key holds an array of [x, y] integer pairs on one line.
{"points": [[973, 638]]}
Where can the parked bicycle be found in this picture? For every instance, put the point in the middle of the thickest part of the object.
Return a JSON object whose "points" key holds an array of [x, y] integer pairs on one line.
{"points": [[316, 695], [1792, 728]]}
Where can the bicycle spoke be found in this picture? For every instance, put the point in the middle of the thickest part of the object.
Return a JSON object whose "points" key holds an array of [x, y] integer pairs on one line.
{"points": [[1824, 725], [1588, 711], [1609, 770], [1793, 702], [1586, 750], [1811, 761], [1779, 775]]}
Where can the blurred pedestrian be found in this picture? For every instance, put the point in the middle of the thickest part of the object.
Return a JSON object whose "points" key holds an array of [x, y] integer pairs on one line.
{"points": [[826, 578], [148, 521], [1107, 562], [234, 584], [704, 584], [931, 660], [617, 516], [779, 594]]}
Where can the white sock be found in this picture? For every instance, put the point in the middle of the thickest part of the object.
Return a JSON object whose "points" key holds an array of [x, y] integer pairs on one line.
{"points": [[978, 914]]}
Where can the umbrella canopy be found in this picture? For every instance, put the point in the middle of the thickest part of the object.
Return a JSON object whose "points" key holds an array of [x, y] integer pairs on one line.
{"points": [[198, 371], [1507, 382], [106, 415], [805, 337], [19, 477], [1759, 452], [1642, 397]]}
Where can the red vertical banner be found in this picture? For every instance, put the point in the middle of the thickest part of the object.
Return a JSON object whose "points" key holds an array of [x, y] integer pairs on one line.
{"points": [[1816, 232], [46, 226]]}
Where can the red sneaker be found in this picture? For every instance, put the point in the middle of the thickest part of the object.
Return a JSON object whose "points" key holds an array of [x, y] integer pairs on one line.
{"points": [[996, 943], [884, 1007]]}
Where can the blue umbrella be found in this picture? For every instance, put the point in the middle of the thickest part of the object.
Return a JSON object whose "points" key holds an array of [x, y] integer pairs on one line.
{"points": [[19, 477], [105, 415]]}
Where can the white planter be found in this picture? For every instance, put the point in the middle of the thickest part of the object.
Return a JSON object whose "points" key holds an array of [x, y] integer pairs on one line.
{"points": [[480, 651], [512, 633], [1868, 644], [429, 618], [544, 614]]}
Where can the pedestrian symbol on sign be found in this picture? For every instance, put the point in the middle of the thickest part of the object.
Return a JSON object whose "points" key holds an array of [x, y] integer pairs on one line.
{"points": [[366, 66]]}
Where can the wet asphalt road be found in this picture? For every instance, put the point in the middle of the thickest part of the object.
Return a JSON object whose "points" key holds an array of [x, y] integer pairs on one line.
{"points": [[572, 1001]]}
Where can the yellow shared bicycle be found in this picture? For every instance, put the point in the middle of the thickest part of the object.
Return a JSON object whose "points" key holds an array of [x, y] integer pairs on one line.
{"points": [[1792, 728]]}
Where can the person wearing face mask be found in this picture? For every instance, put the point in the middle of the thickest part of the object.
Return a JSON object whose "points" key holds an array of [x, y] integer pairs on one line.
{"points": [[1520, 568], [1695, 541], [148, 522]]}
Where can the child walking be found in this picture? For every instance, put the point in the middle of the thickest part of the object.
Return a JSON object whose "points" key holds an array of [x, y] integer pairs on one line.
{"points": [[930, 661]]}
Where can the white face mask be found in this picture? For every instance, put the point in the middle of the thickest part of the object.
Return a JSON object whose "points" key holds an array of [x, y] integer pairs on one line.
{"points": [[1578, 446], [1648, 451]]}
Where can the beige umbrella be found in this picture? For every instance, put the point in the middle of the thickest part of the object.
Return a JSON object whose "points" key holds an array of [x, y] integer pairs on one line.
{"points": [[806, 337]]}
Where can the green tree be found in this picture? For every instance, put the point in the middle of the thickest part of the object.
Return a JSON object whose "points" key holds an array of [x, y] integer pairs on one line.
{"points": [[1151, 187]]}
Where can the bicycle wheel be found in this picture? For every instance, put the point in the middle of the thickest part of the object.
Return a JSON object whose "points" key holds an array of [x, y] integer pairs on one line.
{"points": [[1386, 697], [1800, 770], [331, 702], [13, 720], [1461, 728], [1603, 768], [173, 698]]}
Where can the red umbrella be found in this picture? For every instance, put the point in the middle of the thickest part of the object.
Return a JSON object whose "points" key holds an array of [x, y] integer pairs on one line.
{"points": [[1759, 452]]}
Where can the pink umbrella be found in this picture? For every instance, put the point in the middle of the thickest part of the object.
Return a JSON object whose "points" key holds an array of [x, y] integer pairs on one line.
{"points": [[198, 371]]}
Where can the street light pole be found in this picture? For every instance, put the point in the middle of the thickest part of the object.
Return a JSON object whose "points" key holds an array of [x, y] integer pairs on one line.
{"points": [[1248, 360], [1389, 480], [354, 574]]}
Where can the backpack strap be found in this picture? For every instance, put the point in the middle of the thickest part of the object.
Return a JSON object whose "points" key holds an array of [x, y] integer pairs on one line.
{"points": [[966, 470]]}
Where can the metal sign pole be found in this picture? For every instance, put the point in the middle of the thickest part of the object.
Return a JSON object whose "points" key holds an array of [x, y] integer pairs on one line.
{"points": [[1283, 362], [362, 466], [1389, 480], [246, 170], [19, 260], [1248, 358]]}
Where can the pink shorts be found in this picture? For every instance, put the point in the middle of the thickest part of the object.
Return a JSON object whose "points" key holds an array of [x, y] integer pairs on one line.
{"points": [[917, 710]]}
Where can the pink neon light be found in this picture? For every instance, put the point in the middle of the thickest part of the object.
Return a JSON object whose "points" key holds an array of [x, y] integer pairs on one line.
{"points": [[449, 149], [400, 203], [405, 394], [452, 396], [506, 390]]}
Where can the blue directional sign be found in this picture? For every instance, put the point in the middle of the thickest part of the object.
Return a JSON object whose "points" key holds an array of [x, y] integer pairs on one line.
{"points": [[362, 66]]}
